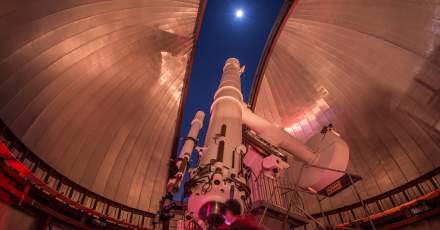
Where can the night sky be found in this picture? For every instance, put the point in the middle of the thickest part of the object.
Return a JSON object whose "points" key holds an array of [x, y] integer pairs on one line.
{"points": [[223, 35]]}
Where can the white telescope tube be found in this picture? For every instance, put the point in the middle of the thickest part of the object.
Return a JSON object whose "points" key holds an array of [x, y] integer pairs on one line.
{"points": [[277, 136], [218, 178], [186, 151], [333, 152], [224, 130], [196, 125]]}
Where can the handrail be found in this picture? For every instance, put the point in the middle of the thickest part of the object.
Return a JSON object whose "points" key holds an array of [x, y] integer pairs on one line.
{"points": [[413, 183], [388, 210], [52, 182]]}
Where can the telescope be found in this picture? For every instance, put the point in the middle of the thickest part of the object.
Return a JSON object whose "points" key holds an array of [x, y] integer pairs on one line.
{"points": [[240, 145]]}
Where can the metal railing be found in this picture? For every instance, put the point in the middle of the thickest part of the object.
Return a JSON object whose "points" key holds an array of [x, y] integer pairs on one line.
{"points": [[46, 181], [275, 191], [410, 191], [278, 199]]}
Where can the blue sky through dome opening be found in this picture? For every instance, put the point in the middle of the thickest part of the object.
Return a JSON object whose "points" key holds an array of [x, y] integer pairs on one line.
{"points": [[225, 35]]}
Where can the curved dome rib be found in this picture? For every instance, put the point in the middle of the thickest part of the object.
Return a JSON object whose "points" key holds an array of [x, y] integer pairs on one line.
{"points": [[94, 88], [371, 68]]}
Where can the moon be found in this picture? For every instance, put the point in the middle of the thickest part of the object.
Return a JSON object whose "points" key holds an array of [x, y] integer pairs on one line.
{"points": [[239, 13]]}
